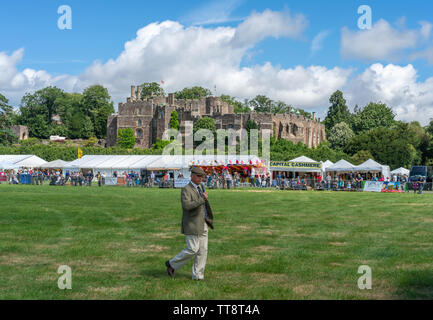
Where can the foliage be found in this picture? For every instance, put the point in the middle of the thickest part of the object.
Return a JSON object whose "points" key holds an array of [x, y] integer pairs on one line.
{"points": [[429, 128], [251, 124], [7, 137], [91, 142], [261, 104], [58, 130], [174, 120], [395, 146], [192, 93], [82, 115], [80, 126], [340, 135], [30, 142], [160, 144], [126, 138], [69, 153], [238, 107], [361, 156], [97, 106], [337, 112], [205, 123], [37, 110], [149, 89], [374, 115]]}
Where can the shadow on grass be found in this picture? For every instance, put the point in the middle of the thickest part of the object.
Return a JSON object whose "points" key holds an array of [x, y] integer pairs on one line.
{"points": [[162, 274], [415, 284]]}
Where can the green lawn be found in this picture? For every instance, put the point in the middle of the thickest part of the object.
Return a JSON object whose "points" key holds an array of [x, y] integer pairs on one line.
{"points": [[266, 244]]}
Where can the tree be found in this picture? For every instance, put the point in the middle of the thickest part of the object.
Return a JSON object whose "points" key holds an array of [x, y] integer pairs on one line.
{"points": [[340, 135], [238, 107], [126, 138], [174, 120], [280, 107], [324, 152], [160, 144], [429, 128], [80, 126], [372, 116], [7, 137], [97, 106], [5, 112], [251, 124], [305, 114], [261, 104], [337, 112], [149, 89], [37, 110], [391, 146], [205, 123], [192, 93], [361, 156]]}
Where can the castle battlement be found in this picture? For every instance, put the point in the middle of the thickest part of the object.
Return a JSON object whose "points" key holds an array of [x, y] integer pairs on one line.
{"points": [[151, 117]]}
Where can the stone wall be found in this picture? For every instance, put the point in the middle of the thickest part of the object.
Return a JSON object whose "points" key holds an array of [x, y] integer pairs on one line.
{"points": [[150, 118], [22, 132]]}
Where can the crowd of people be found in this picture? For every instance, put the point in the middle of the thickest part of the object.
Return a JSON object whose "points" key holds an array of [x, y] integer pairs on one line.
{"points": [[346, 182], [216, 179]]}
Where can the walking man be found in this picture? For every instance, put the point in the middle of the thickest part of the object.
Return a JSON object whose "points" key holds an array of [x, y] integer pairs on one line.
{"points": [[196, 217]]}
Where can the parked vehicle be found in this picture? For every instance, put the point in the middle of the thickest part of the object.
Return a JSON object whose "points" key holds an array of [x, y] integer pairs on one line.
{"points": [[426, 172]]}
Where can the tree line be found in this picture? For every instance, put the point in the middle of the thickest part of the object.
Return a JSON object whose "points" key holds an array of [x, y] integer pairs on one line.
{"points": [[368, 132], [52, 111]]}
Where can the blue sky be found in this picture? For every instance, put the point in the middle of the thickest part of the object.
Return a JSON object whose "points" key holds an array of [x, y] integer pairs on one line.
{"points": [[100, 30]]}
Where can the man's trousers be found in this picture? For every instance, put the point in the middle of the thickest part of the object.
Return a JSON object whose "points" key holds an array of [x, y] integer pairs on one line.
{"points": [[196, 248]]}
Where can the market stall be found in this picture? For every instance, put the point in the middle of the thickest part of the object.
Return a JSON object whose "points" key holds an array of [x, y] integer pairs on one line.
{"points": [[371, 167]]}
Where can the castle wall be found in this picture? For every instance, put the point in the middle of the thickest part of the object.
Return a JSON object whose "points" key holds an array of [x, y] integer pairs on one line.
{"points": [[22, 132], [150, 118]]}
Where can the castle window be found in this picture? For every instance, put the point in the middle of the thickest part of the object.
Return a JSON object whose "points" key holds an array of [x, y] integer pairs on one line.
{"points": [[139, 133], [295, 130], [287, 128], [139, 123]]}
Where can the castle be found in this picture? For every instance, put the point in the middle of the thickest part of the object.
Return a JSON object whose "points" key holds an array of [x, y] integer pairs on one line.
{"points": [[151, 117]]}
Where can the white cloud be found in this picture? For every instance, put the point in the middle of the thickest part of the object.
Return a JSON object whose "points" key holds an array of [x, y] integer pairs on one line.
{"points": [[187, 56], [269, 24], [14, 83], [381, 42], [317, 43], [426, 54], [397, 87], [213, 13], [426, 28]]}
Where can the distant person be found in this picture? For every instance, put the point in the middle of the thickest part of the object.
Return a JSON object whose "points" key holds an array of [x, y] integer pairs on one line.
{"points": [[99, 179], [420, 184], [328, 182]]}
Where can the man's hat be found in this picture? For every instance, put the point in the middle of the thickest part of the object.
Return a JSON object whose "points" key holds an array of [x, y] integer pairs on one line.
{"points": [[198, 171]]}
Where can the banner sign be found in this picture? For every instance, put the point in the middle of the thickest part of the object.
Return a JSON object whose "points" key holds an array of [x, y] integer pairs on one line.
{"points": [[295, 165], [373, 186], [111, 181], [180, 183], [391, 186]]}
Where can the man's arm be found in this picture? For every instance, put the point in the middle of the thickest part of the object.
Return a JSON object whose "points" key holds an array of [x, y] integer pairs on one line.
{"points": [[189, 204]]}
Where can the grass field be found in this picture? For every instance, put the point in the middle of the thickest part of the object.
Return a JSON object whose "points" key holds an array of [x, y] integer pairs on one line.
{"points": [[266, 244]]}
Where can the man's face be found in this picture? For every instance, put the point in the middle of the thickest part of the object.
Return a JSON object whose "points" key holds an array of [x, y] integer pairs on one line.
{"points": [[196, 179]]}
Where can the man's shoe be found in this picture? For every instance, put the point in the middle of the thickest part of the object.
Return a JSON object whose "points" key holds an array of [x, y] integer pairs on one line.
{"points": [[170, 270]]}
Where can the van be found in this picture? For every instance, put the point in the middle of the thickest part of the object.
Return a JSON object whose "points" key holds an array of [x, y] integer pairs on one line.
{"points": [[425, 171]]}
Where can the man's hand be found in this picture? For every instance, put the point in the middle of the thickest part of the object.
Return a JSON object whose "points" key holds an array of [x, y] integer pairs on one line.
{"points": [[205, 195]]}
